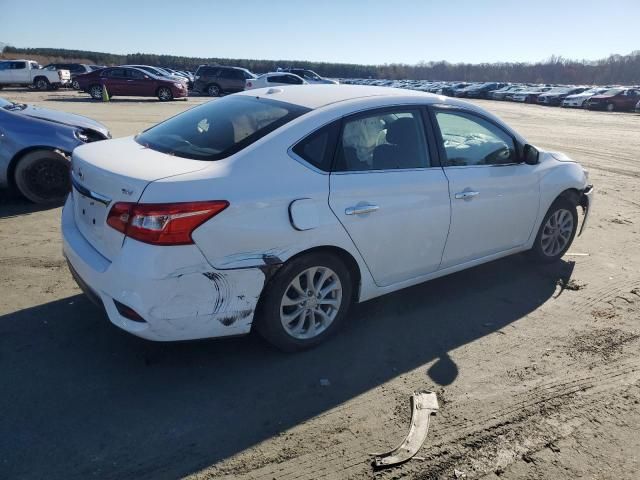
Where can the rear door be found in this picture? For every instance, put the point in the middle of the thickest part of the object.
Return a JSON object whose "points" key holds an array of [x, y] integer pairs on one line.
{"points": [[494, 197], [115, 81], [390, 194]]}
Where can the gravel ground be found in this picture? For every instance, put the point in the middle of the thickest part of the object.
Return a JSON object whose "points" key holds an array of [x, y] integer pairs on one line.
{"points": [[536, 368]]}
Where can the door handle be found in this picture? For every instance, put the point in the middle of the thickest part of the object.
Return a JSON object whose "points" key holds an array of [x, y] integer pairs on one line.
{"points": [[466, 194], [361, 209]]}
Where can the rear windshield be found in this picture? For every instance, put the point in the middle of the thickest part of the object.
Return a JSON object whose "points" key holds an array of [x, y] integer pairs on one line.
{"points": [[219, 128]]}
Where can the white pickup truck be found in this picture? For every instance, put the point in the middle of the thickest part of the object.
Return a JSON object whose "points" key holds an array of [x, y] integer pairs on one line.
{"points": [[28, 72]]}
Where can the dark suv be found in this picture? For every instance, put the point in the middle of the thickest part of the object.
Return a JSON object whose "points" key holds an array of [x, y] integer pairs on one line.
{"points": [[213, 80], [75, 69]]}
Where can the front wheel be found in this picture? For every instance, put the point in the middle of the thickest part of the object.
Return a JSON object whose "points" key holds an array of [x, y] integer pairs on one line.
{"points": [[305, 302], [42, 176], [556, 233], [213, 90], [164, 94], [75, 85]]}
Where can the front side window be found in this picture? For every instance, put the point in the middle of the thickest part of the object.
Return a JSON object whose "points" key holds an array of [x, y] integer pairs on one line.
{"points": [[218, 129], [386, 140], [135, 74], [471, 140]]}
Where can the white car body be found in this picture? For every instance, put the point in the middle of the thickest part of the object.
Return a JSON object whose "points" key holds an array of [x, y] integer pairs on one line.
{"points": [[27, 72], [274, 79], [578, 99], [280, 206], [310, 76]]}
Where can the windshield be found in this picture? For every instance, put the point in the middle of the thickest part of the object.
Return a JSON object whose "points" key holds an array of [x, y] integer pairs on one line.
{"points": [[311, 74], [220, 128]]}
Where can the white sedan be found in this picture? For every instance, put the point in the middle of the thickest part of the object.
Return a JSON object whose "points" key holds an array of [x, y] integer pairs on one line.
{"points": [[279, 208], [578, 99], [274, 79]]}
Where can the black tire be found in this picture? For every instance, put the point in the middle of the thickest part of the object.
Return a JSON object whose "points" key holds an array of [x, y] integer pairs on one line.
{"points": [[96, 92], [42, 176], [268, 323], [164, 94], [214, 90], [537, 252], [41, 83]]}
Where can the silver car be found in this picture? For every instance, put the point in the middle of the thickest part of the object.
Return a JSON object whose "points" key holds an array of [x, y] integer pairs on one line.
{"points": [[35, 147]]}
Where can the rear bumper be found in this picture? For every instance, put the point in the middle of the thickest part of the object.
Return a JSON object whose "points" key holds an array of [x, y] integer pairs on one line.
{"points": [[174, 289], [586, 202]]}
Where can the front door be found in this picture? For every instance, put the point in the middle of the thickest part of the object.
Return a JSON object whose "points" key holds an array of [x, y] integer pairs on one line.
{"points": [[388, 194], [494, 197]]}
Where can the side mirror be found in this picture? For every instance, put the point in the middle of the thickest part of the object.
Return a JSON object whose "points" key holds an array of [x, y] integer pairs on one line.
{"points": [[530, 155]]}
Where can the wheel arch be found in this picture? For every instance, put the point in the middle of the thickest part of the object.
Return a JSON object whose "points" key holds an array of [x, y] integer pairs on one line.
{"points": [[345, 257]]}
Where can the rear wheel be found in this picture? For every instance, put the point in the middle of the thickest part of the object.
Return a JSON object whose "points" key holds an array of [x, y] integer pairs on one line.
{"points": [[213, 90], [75, 85], [305, 302], [42, 176], [164, 94], [96, 92], [557, 232], [41, 83]]}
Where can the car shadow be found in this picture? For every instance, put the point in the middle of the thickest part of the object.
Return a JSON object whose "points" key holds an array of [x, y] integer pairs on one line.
{"points": [[12, 204], [83, 399]]}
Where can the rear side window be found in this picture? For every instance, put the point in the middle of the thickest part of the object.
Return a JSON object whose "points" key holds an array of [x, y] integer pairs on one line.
{"points": [[218, 129], [319, 147], [18, 65]]}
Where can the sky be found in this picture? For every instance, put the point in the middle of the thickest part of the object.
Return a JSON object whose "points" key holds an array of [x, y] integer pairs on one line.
{"points": [[364, 32]]}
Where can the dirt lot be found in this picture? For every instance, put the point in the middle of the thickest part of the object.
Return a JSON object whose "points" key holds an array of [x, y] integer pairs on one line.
{"points": [[537, 368]]}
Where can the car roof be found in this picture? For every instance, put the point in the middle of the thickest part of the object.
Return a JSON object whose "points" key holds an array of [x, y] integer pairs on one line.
{"points": [[317, 96]]}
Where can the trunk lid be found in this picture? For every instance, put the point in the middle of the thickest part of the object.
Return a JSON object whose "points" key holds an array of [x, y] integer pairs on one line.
{"points": [[111, 171]]}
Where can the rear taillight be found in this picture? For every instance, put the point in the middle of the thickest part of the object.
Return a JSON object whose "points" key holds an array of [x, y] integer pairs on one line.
{"points": [[162, 223]]}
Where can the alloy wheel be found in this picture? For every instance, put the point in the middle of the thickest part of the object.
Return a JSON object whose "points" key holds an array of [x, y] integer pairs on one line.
{"points": [[610, 107], [164, 93], [213, 91], [96, 92], [41, 84], [556, 233], [311, 302]]}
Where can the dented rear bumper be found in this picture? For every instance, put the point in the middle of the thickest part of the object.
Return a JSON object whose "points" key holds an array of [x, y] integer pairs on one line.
{"points": [[177, 294]]}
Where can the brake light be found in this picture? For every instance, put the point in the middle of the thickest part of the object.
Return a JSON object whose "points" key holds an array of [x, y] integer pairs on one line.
{"points": [[162, 223]]}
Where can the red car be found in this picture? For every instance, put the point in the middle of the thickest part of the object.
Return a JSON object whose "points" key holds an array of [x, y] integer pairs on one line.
{"points": [[130, 82], [615, 99]]}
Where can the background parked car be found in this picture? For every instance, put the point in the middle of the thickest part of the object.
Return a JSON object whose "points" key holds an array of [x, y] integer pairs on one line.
{"points": [[129, 81], [309, 75], [529, 95], [578, 99], [159, 72], [36, 144], [555, 96], [274, 79], [615, 99], [27, 73], [214, 80], [75, 69], [450, 89]]}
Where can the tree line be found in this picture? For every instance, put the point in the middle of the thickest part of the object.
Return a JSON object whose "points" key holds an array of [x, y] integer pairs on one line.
{"points": [[615, 69]]}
